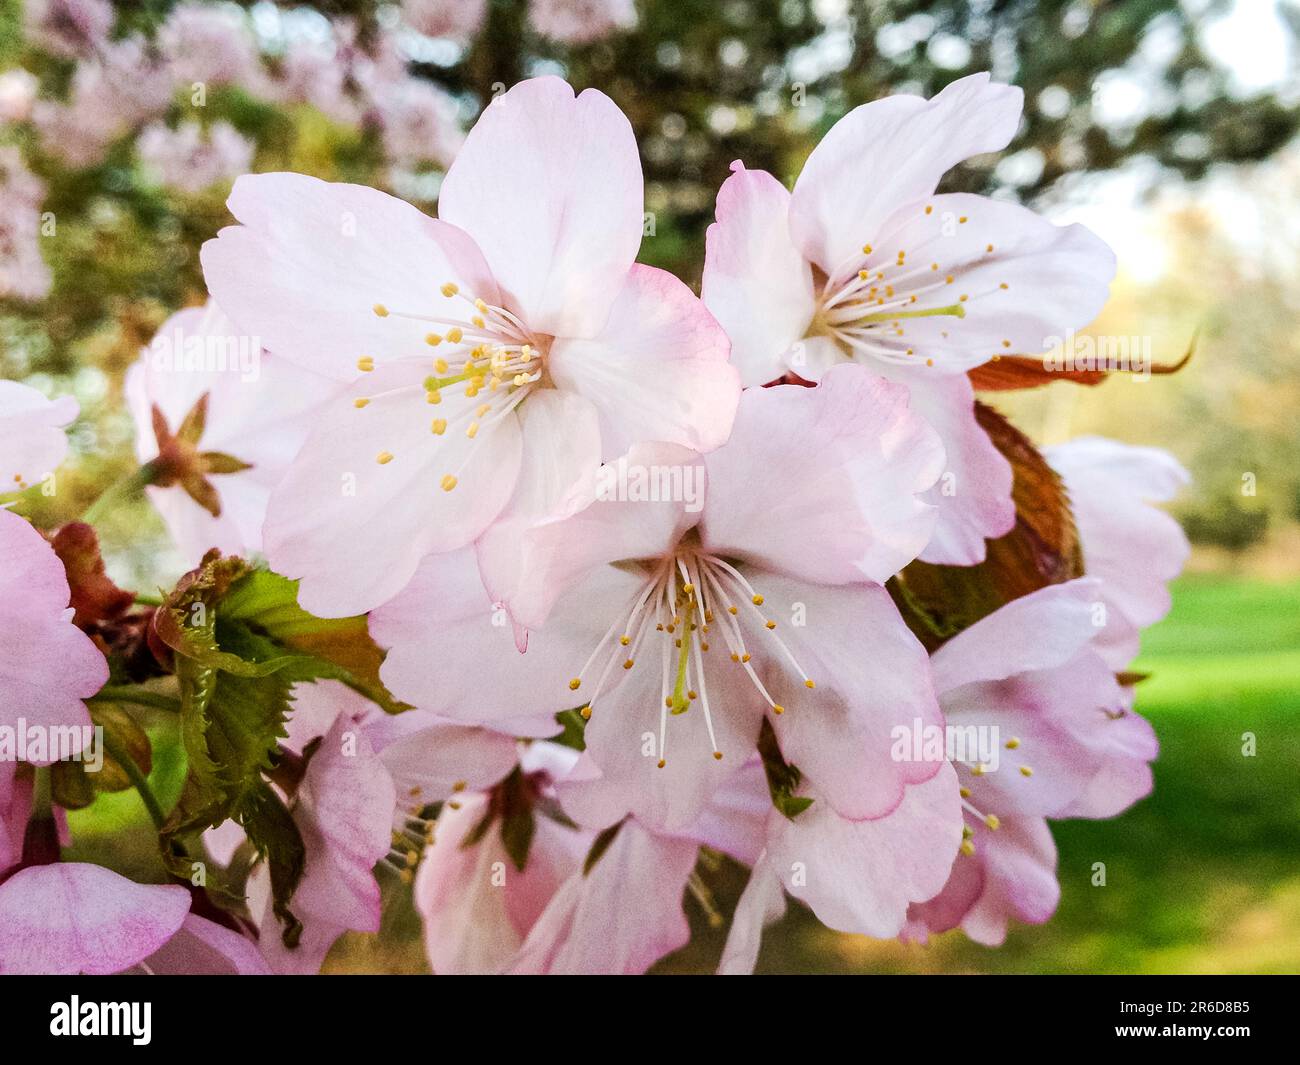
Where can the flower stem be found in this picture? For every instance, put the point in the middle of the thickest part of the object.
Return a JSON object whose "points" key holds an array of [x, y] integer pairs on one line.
{"points": [[141, 783], [122, 490], [137, 697]]}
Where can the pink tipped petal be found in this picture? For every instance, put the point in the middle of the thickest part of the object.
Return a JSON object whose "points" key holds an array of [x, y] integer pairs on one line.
{"points": [[312, 259], [973, 495], [757, 284], [658, 370], [1021, 282], [841, 733], [71, 918], [32, 579], [619, 918], [1019, 862], [861, 876], [841, 469], [353, 528], [884, 154], [1131, 546], [440, 759], [1038, 631], [204, 948], [32, 437], [550, 187]]}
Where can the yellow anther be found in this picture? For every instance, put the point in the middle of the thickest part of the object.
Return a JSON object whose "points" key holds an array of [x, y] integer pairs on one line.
{"points": [[448, 482], [732, 610], [625, 640], [771, 624], [866, 249], [1013, 743], [688, 589], [717, 755], [963, 297], [482, 410], [962, 220], [967, 847], [360, 403], [757, 600], [1003, 285], [439, 426], [454, 334], [441, 365], [964, 793], [384, 458], [977, 771], [948, 280], [481, 306], [1025, 771], [744, 657], [661, 763], [629, 663], [929, 208], [777, 708], [863, 275], [992, 821], [585, 712], [365, 364], [380, 310], [575, 684], [735, 657], [810, 683], [988, 247], [472, 431], [433, 397], [433, 340], [450, 289]]}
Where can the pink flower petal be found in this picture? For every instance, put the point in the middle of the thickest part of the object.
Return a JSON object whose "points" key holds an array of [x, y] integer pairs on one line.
{"points": [[73, 918], [757, 284], [559, 243], [32, 437], [835, 470], [884, 154], [658, 370]]}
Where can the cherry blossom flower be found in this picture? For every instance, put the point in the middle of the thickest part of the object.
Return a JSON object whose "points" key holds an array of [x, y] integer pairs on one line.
{"points": [[211, 45], [493, 357], [810, 503], [417, 121], [190, 159], [32, 437], [863, 261], [457, 19], [1133, 548], [23, 273], [47, 665], [580, 21], [17, 94], [69, 27], [1070, 746], [220, 420]]}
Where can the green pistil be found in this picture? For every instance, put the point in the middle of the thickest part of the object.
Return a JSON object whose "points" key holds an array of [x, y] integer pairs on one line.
{"points": [[953, 310], [680, 702]]}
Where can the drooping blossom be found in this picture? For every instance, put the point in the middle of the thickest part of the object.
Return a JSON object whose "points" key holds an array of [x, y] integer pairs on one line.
{"points": [[493, 357], [220, 419], [69, 28], [361, 802], [1029, 678], [1133, 548], [192, 159], [457, 19], [32, 437], [23, 273], [47, 665], [863, 262], [580, 21], [766, 578]]}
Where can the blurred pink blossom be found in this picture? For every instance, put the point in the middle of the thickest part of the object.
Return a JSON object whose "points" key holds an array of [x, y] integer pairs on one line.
{"points": [[23, 273], [190, 158], [69, 27], [580, 21]]}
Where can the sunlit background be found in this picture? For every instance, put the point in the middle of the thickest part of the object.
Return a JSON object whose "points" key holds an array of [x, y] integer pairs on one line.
{"points": [[1169, 127]]}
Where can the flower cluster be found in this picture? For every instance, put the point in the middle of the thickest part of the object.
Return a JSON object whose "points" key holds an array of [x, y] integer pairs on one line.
{"points": [[531, 582]]}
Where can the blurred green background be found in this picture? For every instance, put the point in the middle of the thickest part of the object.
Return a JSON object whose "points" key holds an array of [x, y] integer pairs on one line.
{"points": [[1167, 125]]}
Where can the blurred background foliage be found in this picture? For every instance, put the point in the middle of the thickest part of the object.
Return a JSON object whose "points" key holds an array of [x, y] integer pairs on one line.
{"points": [[1167, 125]]}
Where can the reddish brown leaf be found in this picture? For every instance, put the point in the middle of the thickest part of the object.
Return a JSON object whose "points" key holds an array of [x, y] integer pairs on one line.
{"points": [[95, 598]]}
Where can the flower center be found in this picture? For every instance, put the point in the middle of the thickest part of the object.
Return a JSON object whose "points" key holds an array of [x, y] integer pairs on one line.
{"points": [[490, 363], [867, 311], [687, 598]]}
